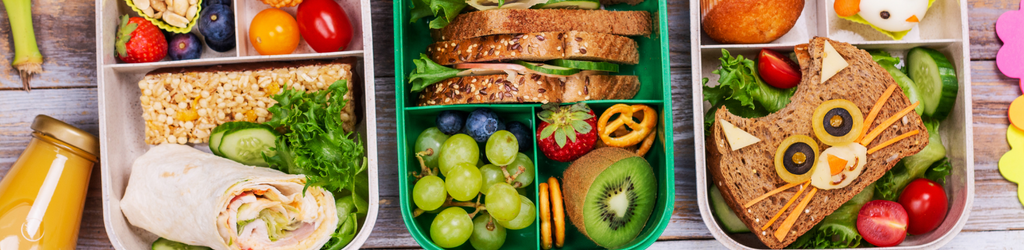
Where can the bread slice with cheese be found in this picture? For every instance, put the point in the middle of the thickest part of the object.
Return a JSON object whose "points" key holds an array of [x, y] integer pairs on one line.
{"points": [[749, 172]]}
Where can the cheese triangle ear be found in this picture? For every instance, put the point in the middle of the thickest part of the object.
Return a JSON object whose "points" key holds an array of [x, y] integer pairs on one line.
{"points": [[831, 62], [736, 136]]}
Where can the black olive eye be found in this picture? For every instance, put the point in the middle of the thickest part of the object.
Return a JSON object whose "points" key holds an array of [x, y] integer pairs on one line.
{"points": [[795, 158], [799, 158], [837, 122], [885, 14]]}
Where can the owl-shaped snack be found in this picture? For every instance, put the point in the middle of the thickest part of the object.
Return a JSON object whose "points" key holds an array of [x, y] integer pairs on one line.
{"points": [[892, 17]]}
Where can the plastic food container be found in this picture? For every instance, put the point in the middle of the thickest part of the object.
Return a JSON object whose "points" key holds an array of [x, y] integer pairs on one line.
{"points": [[122, 129], [655, 91], [944, 28], [42, 196]]}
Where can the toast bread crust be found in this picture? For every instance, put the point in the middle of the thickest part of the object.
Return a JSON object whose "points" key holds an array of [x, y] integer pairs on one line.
{"points": [[747, 173], [529, 87], [510, 21], [543, 46]]}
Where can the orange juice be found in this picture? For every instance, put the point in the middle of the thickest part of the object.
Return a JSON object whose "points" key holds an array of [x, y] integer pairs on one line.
{"points": [[42, 196]]}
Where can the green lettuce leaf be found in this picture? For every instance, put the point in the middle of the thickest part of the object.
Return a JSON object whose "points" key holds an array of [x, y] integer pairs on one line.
{"points": [[315, 142], [839, 229], [894, 35], [428, 72], [939, 170], [444, 11], [742, 91], [912, 167]]}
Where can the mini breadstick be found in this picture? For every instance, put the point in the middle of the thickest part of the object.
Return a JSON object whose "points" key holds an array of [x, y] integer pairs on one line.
{"points": [[557, 211], [545, 217]]}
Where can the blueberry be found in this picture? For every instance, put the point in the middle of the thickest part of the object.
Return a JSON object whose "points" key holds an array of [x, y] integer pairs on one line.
{"points": [[217, 24], [522, 133], [206, 3], [184, 46], [450, 121], [481, 123]]}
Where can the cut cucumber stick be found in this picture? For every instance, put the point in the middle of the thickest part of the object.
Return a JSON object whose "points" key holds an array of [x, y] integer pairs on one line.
{"points": [[936, 81], [548, 69], [246, 144], [726, 217], [571, 4], [586, 65]]}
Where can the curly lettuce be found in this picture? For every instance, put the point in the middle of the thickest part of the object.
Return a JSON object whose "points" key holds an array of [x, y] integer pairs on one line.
{"points": [[742, 91], [915, 166]]}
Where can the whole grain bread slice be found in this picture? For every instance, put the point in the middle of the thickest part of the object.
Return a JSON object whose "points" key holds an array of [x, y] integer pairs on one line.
{"points": [[748, 173], [511, 21], [543, 46], [529, 87]]}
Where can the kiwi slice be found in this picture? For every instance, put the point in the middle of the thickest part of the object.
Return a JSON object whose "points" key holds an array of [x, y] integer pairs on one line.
{"points": [[586, 65], [609, 195]]}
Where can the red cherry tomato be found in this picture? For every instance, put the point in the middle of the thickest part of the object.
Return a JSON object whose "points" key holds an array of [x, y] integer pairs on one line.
{"points": [[882, 223], [777, 70], [926, 204], [324, 25]]}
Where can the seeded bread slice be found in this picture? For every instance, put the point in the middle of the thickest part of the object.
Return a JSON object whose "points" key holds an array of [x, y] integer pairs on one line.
{"points": [[510, 21], [747, 173], [544, 46], [529, 87]]}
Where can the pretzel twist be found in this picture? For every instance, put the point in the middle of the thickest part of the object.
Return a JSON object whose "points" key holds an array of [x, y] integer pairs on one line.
{"points": [[626, 114]]}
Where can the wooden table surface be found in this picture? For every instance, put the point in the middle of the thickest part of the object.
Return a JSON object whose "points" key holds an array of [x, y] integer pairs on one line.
{"points": [[67, 91]]}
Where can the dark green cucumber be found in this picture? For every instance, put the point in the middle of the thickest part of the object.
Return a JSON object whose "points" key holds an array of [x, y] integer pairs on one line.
{"points": [[247, 144], [218, 133], [571, 4], [548, 69], [586, 65], [726, 217], [165, 244], [936, 81]]}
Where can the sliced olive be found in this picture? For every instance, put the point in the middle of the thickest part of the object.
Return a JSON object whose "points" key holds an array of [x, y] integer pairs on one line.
{"points": [[837, 122], [796, 158]]}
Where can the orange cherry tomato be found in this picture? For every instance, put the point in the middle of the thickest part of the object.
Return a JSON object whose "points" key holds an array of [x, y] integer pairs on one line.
{"points": [[274, 32]]}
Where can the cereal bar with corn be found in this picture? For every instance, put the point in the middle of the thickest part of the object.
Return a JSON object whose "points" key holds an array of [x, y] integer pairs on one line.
{"points": [[183, 105]]}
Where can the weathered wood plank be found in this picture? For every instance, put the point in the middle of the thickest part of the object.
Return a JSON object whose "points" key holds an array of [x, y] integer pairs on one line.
{"points": [[65, 32], [982, 22], [965, 240]]}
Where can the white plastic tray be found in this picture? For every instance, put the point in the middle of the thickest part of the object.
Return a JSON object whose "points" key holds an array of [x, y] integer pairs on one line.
{"points": [[122, 128], [944, 28]]}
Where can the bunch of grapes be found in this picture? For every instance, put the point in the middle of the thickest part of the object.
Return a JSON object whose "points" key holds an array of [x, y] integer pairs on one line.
{"points": [[454, 174]]}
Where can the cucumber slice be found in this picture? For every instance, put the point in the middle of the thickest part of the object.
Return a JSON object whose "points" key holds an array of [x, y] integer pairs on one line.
{"points": [[584, 4], [548, 69], [936, 81], [165, 244], [586, 65], [246, 145], [218, 133], [726, 217]]}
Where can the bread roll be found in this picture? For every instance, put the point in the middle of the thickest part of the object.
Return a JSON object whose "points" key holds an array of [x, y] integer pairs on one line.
{"points": [[749, 21]]}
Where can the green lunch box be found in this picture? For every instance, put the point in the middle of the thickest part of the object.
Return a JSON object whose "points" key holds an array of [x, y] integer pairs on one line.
{"points": [[411, 39]]}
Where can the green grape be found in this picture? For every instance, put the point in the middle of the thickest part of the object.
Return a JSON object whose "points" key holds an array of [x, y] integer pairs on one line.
{"points": [[459, 148], [502, 201], [492, 174], [429, 193], [526, 178], [463, 182], [527, 212], [432, 139], [486, 239], [451, 227], [502, 147]]}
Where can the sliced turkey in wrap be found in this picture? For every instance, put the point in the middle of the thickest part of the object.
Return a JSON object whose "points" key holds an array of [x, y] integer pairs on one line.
{"points": [[186, 195]]}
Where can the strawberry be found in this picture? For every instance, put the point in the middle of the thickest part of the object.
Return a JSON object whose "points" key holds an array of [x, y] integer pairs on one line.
{"points": [[566, 132], [140, 41]]}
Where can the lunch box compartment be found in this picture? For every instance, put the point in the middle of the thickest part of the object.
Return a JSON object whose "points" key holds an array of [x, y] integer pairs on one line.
{"points": [[412, 39], [122, 129], [805, 28], [956, 130]]}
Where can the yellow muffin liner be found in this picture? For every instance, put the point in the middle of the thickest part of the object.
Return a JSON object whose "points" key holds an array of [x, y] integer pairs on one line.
{"points": [[166, 26]]}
